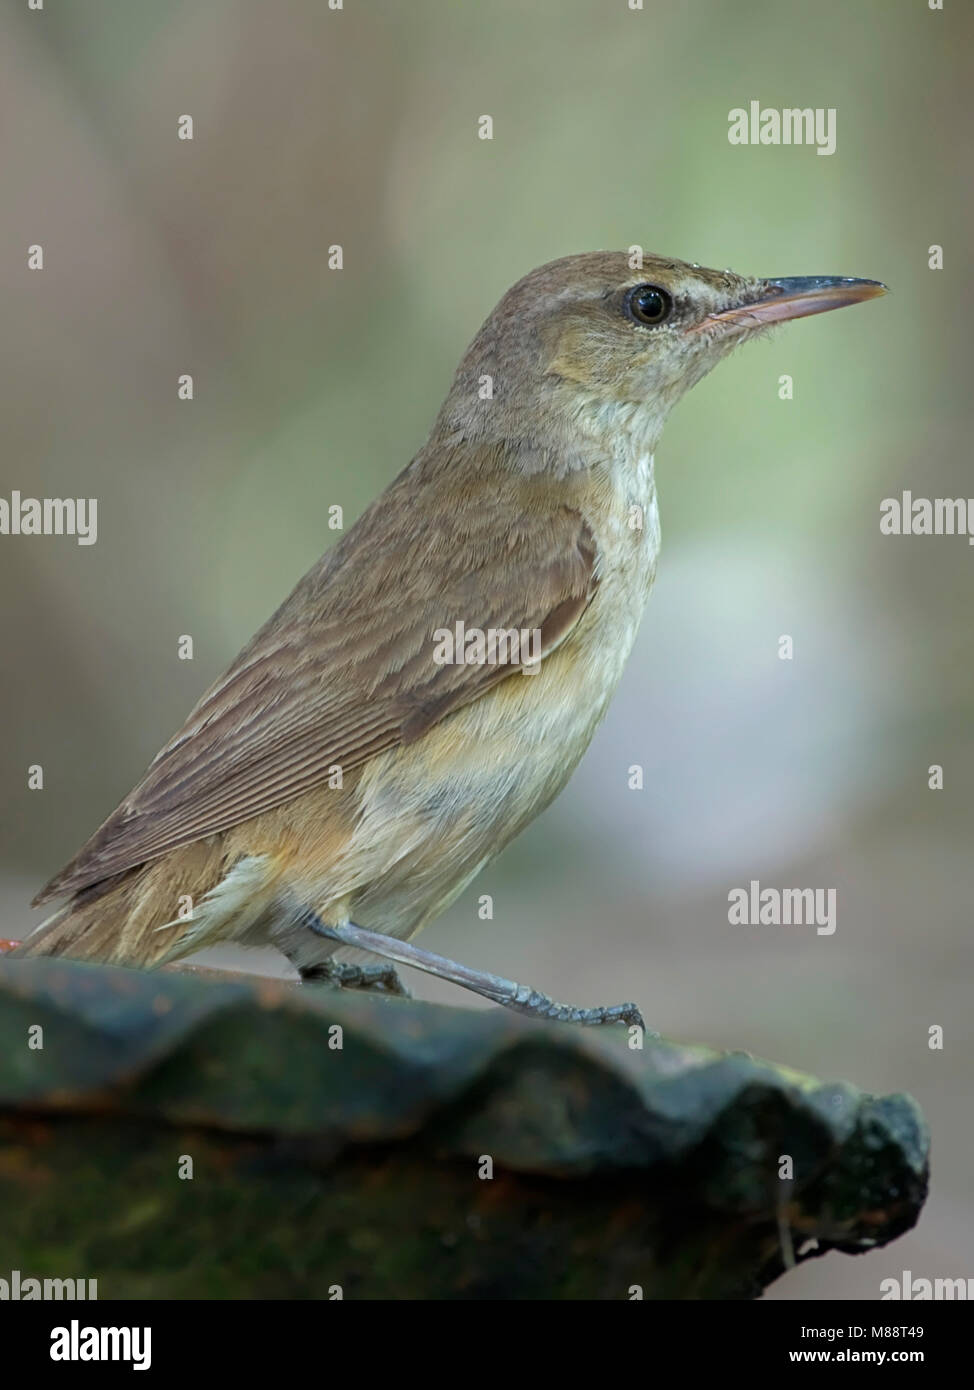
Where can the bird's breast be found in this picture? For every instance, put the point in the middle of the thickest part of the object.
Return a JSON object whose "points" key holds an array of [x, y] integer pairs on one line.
{"points": [[516, 746], [429, 814]]}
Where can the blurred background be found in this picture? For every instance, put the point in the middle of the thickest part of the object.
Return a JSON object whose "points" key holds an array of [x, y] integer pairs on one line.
{"points": [[314, 387]]}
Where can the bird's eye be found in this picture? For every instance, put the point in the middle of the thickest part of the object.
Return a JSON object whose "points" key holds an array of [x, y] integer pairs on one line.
{"points": [[648, 304]]}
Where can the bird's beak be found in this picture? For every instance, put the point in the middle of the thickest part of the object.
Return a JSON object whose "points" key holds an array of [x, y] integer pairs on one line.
{"points": [[795, 297]]}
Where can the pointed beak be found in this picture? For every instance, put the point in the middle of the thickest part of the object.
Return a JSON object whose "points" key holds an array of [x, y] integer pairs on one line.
{"points": [[795, 297]]}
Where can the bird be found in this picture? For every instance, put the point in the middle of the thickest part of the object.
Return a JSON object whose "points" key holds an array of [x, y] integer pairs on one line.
{"points": [[432, 682]]}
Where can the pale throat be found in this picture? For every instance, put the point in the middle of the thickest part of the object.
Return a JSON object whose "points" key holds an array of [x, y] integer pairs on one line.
{"points": [[624, 431]]}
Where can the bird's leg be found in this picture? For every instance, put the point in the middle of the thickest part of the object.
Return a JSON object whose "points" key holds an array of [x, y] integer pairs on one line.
{"points": [[384, 979], [521, 998]]}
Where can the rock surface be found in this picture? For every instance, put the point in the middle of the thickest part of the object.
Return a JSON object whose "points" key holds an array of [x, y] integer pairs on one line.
{"points": [[341, 1142]]}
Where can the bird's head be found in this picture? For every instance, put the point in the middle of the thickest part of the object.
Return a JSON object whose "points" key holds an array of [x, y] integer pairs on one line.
{"points": [[588, 350]]}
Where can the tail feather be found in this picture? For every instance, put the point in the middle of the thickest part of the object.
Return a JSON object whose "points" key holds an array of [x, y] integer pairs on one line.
{"points": [[136, 920], [83, 931]]}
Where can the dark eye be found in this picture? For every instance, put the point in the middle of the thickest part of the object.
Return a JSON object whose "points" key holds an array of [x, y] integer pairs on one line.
{"points": [[648, 304]]}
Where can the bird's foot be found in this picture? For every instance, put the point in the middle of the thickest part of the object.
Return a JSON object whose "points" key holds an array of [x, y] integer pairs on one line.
{"points": [[521, 998], [381, 979], [532, 1002]]}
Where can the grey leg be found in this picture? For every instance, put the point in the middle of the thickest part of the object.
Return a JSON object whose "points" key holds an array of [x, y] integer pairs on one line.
{"points": [[521, 998]]}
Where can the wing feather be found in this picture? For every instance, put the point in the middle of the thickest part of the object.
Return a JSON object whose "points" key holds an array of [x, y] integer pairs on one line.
{"points": [[344, 668]]}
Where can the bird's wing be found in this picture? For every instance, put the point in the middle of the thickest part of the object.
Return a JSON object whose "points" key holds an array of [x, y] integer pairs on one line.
{"points": [[345, 670]]}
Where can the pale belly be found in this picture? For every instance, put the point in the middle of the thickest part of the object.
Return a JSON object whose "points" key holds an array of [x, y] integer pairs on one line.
{"points": [[432, 814]]}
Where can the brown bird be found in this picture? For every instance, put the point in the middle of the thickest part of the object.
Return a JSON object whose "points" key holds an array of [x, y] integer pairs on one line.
{"points": [[350, 774]]}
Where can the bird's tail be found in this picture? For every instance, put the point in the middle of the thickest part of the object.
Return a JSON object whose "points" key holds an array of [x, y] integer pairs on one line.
{"points": [[71, 931], [143, 919]]}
